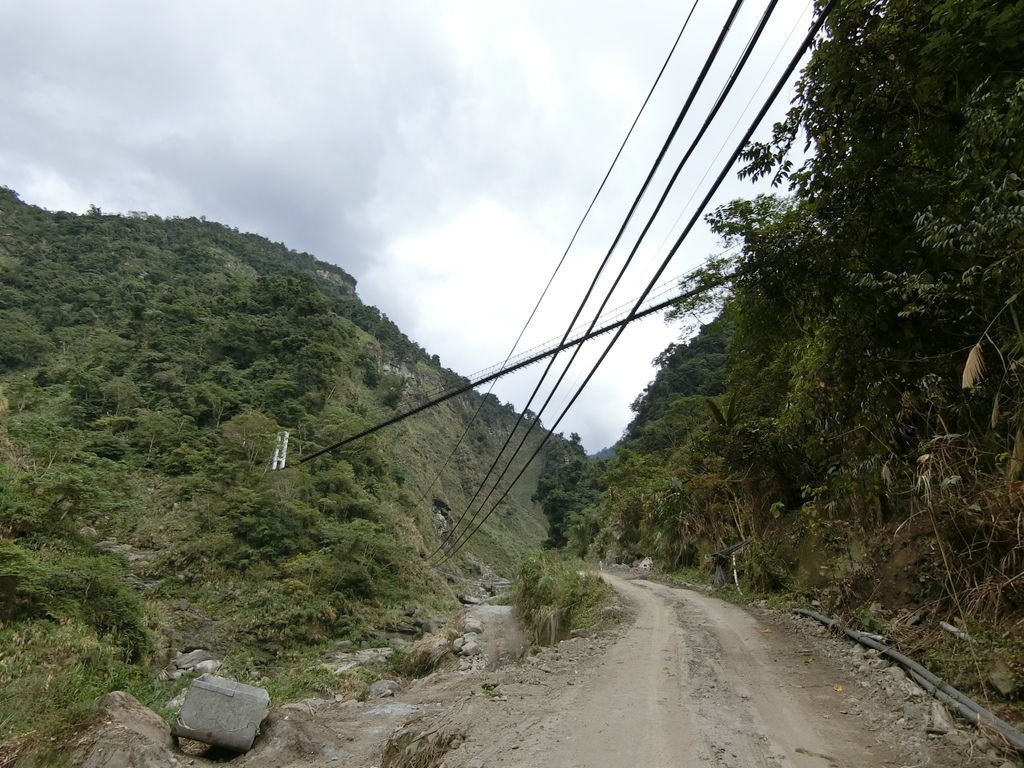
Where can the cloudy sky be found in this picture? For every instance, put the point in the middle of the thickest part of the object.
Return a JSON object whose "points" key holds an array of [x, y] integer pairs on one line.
{"points": [[442, 152]]}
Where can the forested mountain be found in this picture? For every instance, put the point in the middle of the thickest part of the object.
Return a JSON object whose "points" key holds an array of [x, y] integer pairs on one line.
{"points": [[146, 368], [857, 409]]}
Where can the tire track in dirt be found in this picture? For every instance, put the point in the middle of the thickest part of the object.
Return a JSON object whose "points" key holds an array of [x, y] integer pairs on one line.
{"points": [[693, 682]]}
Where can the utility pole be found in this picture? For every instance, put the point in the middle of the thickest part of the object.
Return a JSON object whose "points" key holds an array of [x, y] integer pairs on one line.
{"points": [[280, 452]]}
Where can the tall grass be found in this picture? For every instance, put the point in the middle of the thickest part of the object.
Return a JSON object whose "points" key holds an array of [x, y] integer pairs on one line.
{"points": [[552, 596]]}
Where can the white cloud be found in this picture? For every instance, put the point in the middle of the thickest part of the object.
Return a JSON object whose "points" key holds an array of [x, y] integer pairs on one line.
{"points": [[442, 153]]}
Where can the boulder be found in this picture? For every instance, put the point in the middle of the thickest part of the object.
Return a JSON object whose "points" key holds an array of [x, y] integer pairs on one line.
{"points": [[343, 662], [405, 629], [222, 712], [470, 648], [430, 626], [294, 733], [128, 735], [472, 624], [208, 667]]}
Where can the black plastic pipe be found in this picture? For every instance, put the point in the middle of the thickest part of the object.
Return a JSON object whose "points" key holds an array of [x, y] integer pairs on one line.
{"points": [[940, 689]]}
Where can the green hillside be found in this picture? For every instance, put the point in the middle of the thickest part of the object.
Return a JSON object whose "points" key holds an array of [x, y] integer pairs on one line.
{"points": [[146, 367]]}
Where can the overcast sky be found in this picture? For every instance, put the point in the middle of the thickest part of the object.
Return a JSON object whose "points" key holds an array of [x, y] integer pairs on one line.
{"points": [[441, 152]]}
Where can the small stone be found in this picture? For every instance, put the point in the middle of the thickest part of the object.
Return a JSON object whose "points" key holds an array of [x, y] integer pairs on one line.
{"points": [[895, 672], [382, 689], [410, 610], [208, 667], [190, 659], [1001, 677], [183, 604], [87, 532], [939, 721], [175, 704], [913, 690]]}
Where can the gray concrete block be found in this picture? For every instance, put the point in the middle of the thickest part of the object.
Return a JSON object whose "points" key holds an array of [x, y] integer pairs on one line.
{"points": [[222, 712]]}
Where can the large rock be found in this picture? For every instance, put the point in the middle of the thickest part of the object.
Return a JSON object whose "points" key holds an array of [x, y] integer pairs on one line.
{"points": [[472, 624], [127, 735], [293, 734], [221, 712]]}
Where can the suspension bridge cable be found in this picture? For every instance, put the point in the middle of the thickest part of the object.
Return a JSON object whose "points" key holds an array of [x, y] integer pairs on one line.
{"points": [[766, 106], [709, 118]]}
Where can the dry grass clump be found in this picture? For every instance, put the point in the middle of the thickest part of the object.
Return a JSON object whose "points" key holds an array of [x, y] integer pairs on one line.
{"points": [[419, 745]]}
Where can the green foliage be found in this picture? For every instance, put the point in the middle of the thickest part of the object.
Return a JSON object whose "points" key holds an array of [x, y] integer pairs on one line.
{"points": [[868, 363], [53, 671], [568, 482], [69, 586], [418, 661], [552, 597], [147, 367]]}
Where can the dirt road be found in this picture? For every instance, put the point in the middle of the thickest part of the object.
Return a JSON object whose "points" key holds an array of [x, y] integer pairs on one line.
{"points": [[695, 681], [686, 680]]}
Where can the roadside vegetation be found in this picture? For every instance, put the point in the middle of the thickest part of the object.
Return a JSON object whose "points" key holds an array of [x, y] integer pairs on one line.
{"points": [[146, 369], [553, 596], [853, 402]]}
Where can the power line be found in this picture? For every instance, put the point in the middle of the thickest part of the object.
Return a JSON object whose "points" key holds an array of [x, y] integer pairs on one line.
{"points": [[487, 379], [683, 112], [794, 62], [709, 118], [561, 261], [666, 287]]}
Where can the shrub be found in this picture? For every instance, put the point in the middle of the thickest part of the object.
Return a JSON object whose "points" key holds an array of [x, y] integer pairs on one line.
{"points": [[552, 597]]}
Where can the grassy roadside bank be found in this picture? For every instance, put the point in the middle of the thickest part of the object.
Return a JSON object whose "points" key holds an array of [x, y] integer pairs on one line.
{"points": [[553, 595]]}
